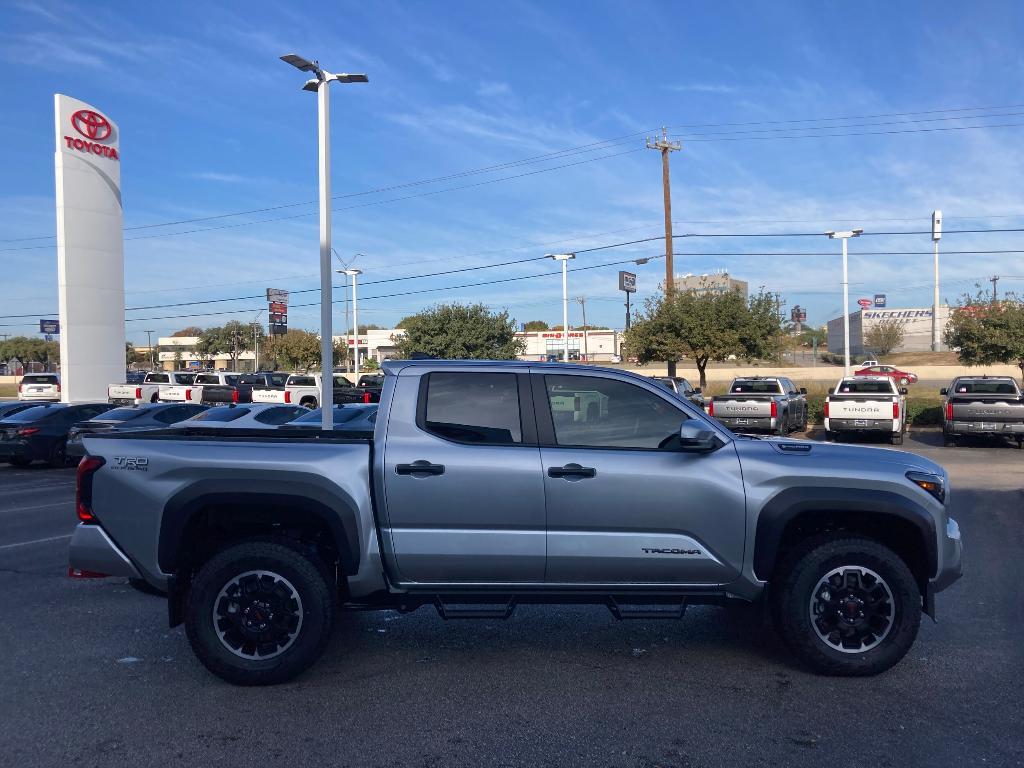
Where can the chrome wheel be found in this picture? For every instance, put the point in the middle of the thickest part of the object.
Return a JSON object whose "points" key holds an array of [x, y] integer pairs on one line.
{"points": [[257, 615], [852, 609]]}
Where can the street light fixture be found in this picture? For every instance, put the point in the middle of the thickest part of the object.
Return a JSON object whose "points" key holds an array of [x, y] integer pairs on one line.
{"points": [[844, 236], [564, 258], [354, 273], [319, 84]]}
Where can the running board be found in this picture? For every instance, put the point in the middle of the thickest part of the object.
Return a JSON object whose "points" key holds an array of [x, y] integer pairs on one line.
{"points": [[474, 610], [667, 611]]}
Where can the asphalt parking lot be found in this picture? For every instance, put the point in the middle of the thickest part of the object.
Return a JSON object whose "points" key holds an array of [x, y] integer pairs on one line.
{"points": [[91, 676]]}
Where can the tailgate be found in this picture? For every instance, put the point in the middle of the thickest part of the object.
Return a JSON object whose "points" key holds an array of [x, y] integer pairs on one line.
{"points": [[179, 393], [997, 409], [122, 391], [860, 408], [743, 407], [268, 396]]}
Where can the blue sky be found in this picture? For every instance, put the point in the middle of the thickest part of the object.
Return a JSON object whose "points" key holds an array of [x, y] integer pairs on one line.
{"points": [[212, 123]]}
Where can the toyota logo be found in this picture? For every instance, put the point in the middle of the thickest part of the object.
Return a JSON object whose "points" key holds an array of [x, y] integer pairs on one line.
{"points": [[91, 124]]}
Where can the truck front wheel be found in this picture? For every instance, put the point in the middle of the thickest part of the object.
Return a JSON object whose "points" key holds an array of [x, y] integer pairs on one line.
{"points": [[259, 613], [846, 605]]}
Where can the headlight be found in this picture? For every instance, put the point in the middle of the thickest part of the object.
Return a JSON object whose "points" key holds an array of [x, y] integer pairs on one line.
{"points": [[934, 484]]}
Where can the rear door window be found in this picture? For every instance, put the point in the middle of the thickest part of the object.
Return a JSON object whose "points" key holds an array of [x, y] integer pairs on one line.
{"points": [[473, 407], [279, 415], [222, 414]]}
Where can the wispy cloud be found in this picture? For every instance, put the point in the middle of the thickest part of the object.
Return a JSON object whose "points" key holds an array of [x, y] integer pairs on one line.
{"points": [[490, 89], [702, 88], [439, 69], [226, 178]]}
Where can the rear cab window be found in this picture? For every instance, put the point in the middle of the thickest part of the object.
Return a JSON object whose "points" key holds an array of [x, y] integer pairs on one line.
{"points": [[861, 387], [158, 378], [301, 381], [755, 387], [985, 387], [468, 407]]}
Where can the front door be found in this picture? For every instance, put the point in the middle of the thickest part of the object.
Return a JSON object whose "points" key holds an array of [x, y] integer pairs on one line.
{"points": [[462, 478], [625, 505]]}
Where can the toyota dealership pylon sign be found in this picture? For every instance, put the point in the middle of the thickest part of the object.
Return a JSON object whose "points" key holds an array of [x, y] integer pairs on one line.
{"points": [[90, 249]]}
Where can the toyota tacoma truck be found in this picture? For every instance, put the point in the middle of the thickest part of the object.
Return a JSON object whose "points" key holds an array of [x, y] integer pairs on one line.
{"points": [[866, 404], [983, 405], [761, 403], [486, 485]]}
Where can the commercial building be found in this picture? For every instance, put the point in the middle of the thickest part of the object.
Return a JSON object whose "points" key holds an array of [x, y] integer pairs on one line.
{"points": [[591, 346], [917, 329], [718, 282]]}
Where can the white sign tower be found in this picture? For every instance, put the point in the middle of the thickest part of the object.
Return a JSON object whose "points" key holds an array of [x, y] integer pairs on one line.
{"points": [[90, 250]]}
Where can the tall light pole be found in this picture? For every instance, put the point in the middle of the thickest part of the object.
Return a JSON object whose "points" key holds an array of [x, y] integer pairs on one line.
{"points": [[345, 265], [149, 343], [354, 274], [564, 258], [256, 342], [936, 235], [582, 300], [844, 236], [319, 84]]}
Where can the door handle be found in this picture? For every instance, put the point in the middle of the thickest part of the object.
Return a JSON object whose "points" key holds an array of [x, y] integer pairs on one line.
{"points": [[420, 467], [572, 470]]}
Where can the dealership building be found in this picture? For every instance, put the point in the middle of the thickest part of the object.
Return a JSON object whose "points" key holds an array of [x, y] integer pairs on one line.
{"points": [[917, 328], [179, 352]]}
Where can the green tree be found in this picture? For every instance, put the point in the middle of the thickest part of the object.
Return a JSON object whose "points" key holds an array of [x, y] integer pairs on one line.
{"points": [[29, 350], [706, 327], [885, 336], [535, 325], [461, 332], [129, 353], [192, 330], [984, 332], [295, 350], [231, 338]]}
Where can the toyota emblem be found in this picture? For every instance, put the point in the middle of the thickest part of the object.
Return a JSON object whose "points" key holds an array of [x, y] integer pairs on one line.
{"points": [[91, 124]]}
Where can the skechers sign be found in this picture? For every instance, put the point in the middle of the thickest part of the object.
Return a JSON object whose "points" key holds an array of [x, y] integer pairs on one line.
{"points": [[95, 128]]}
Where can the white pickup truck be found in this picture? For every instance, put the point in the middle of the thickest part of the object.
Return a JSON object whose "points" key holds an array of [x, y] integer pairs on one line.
{"points": [[151, 390], [300, 389], [866, 404]]}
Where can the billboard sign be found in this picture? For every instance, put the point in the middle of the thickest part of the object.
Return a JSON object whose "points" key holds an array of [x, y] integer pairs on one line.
{"points": [[278, 308], [277, 311], [50, 327], [277, 294], [879, 301], [798, 314], [864, 303], [627, 282]]}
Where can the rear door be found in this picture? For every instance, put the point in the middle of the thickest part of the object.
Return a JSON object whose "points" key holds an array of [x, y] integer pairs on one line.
{"points": [[624, 504], [464, 497]]}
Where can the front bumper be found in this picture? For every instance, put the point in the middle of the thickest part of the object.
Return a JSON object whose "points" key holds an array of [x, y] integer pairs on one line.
{"points": [[984, 428], [92, 550]]}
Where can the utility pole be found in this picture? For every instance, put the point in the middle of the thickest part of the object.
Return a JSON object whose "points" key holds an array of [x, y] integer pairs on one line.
{"points": [[586, 349], [149, 343], [665, 146], [936, 235], [994, 280]]}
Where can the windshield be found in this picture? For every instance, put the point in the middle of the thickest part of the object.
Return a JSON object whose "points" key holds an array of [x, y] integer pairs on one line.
{"points": [[227, 413], [855, 387], [746, 386]]}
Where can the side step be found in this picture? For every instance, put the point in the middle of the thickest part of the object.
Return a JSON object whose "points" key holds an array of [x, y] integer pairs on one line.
{"points": [[496, 610], [646, 611]]}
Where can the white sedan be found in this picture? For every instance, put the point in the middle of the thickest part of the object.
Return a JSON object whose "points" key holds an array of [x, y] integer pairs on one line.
{"points": [[244, 416]]}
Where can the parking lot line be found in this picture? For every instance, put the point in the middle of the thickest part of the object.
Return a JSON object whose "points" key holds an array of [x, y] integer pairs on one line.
{"points": [[34, 541], [66, 503]]}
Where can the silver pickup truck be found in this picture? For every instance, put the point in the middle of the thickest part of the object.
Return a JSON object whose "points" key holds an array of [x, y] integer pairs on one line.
{"points": [[490, 484], [761, 403], [983, 406]]}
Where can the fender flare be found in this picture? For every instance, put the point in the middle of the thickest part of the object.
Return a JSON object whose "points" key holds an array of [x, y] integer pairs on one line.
{"points": [[336, 511], [786, 505]]}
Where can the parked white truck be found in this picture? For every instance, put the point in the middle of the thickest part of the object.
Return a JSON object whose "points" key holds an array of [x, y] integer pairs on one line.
{"points": [[860, 404], [150, 390]]}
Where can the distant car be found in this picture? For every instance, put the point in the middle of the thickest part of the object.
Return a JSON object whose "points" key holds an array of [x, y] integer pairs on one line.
{"points": [[131, 418], [244, 416], [41, 433], [903, 378], [680, 386], [869, 363], [986, 406], [39, 387], [13, 407], [352, 417]]}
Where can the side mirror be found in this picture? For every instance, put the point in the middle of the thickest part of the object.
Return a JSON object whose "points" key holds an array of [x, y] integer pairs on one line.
{"points": [[694, 438], [903, 390], [943, 391], [803, 390]]}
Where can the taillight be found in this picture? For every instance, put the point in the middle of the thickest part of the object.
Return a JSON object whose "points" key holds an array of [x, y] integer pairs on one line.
{"points": [[366, 397], [83, 487], [20, 386], [711, 408], [775, 410], [895, 410], [26, 431], [188, 393], [138, 393], [234, 396], [287, 396], [949, 411], [826, 409], [58, 386]]}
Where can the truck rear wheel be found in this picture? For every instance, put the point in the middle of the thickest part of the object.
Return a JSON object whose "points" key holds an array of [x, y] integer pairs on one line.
{"points": [[259, 613], [846, 605], [308, 402], [897, 439]]}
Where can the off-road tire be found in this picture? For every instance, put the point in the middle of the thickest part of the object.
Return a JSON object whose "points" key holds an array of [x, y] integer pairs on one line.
{"points": [[316, 601], [794, 586], [897, 439], [309, 402]]}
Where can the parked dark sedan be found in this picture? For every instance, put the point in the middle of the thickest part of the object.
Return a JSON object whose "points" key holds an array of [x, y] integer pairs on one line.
{"points": [[13, 407], [41, 432], [130, 419], [352, 417]]}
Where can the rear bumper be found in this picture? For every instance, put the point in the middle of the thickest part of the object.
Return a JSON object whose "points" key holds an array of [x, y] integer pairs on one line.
{"points": [[861, 425], [984, 428], [747, 423], [40, 397], [15, 450], [125, 401], [92, 550]]}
